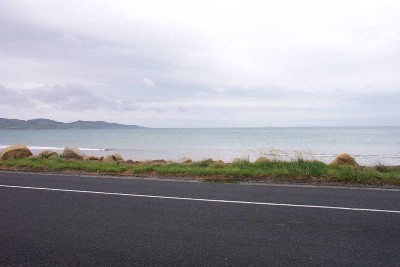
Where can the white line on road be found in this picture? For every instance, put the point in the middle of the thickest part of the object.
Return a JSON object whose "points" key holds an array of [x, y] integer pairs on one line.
{"points": [[199, 199]]}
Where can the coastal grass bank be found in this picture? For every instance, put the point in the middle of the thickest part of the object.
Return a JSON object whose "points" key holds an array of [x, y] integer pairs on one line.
{"points": [[343, 170]]}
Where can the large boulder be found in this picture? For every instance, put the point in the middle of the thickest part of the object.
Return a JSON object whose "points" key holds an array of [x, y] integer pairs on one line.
{"points": [[117, 157], [109, 158], [344, 159], [113, 158], [47, 154], [72, 153], [15, 152]]}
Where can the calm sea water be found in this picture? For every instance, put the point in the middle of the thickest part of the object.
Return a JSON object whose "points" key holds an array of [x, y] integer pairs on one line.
{"points": [[369, 145]]}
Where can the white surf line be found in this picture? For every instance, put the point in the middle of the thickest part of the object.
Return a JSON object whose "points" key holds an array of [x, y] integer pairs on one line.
{"points": [[199, 199]]}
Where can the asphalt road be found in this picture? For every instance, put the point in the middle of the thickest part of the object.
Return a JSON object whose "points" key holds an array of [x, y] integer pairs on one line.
{"points": [[112, 221]]}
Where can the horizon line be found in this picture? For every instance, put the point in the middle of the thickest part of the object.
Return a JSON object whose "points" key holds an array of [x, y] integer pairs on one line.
{"points": [[219, 127]]}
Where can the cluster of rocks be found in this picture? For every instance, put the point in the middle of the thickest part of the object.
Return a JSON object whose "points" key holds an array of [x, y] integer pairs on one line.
{"points": [[22, 151], [73, 153]]}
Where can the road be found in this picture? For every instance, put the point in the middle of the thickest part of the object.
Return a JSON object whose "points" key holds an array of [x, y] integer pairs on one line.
{"points": [[61, 220]]}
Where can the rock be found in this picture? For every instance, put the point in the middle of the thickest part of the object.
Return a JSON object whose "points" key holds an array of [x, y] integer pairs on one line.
{"points": [[72, 153], [47, 154], [218, 161], [90, 158], [344, 159], [109, 158], [53, 157], [15, 152], [262, 159], [113, 158], [184, 160], [117, 157], [101, 158]]}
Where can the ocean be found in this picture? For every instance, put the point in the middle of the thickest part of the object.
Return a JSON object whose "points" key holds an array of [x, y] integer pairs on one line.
{"points": [[369, 145]]}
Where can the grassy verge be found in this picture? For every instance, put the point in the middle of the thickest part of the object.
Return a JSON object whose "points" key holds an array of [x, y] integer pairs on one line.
{"points": [[207, 170]]}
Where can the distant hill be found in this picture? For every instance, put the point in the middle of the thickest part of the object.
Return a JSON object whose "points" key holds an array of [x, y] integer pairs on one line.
{"points": [[50, 124]]}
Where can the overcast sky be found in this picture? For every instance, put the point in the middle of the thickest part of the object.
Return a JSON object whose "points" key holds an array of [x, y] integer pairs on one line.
{"points": [[202, 63]]}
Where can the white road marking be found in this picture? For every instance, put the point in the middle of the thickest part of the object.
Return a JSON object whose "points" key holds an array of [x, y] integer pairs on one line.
{"points": [[199, 199]]}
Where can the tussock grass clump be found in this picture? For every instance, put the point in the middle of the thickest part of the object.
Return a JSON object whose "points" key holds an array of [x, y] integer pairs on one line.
{"points": [[204, 163], [262, 159], [344, 159], [382, 168]]}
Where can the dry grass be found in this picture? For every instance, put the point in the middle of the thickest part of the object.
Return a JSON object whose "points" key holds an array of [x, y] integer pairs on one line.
{"points": [[344, 159]]}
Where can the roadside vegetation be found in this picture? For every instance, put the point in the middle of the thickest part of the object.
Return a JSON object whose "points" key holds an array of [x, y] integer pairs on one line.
{"points": [[208, 170]]}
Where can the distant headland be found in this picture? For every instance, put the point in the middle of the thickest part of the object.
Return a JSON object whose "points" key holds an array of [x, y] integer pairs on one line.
{"points": [[50, 124]]}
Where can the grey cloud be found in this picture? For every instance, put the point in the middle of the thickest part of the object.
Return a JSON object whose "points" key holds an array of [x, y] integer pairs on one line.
{"points": [[68, 98], [102, 61], [63, 98], [149, 83], [73, 98], [14, 99], [146, 48], [6, 92], [385, 102], [71, 40]]}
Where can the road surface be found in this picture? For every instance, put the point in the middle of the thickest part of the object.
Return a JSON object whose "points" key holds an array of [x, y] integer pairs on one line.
{"points": [[71, 220]]}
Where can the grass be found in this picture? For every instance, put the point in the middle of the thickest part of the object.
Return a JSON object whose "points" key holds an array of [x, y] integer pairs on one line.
{"points": [[207, 170], [59, 164]]}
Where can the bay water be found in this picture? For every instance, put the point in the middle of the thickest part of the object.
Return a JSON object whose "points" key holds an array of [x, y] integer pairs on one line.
{"points": [[369, 145]]}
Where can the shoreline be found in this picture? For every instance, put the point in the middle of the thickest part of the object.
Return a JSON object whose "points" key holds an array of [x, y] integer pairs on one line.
{"points": [[367, 160], [368, 145], [344, 169]]}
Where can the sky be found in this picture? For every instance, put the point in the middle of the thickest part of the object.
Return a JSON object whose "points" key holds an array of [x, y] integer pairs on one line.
{"points": [[202, 63]]}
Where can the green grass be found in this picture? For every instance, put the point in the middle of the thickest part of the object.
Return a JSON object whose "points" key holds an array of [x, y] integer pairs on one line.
{"points": [[59, 164], [207, 170]]}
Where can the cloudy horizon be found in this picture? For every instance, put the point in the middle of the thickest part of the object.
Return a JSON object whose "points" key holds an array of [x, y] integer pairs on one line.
{"points": [[202, 63]]}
